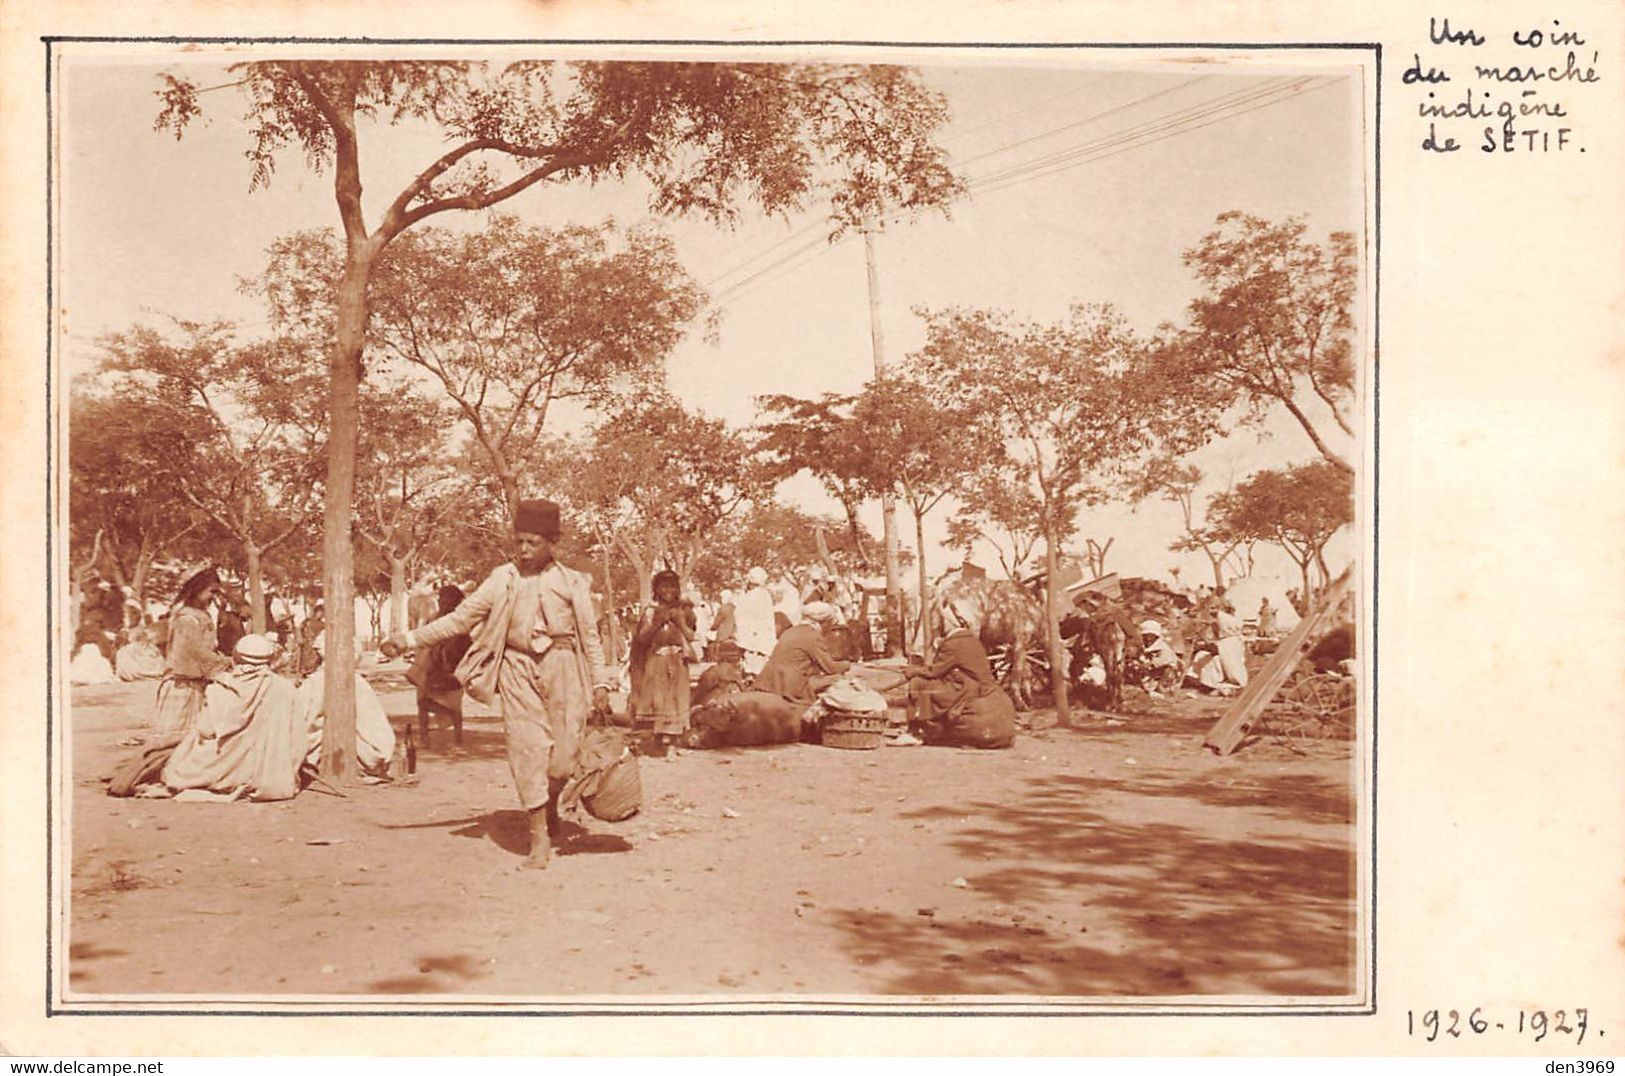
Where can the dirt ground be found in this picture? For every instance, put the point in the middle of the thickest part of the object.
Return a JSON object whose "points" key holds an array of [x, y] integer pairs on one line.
{"points": [[1097, 860]]}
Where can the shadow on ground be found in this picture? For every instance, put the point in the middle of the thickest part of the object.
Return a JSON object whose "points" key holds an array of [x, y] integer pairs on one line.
{"points": [[510, 831], [433, 973], [1199, 914]]}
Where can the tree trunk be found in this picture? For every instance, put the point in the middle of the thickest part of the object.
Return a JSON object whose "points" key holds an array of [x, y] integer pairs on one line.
{"points": [[612, 636], [919, 547], [640, 566], [894, 582], [397, 591], [338, 551], [256, 588], [859, 550], [1052, 625], [138, 581]]}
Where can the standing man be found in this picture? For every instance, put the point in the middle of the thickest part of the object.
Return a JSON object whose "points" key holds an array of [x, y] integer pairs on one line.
{"points": [[535, 648], [753, 620]]}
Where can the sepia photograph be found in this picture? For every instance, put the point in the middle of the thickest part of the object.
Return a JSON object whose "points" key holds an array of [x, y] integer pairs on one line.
{"points": [[695, 528]]}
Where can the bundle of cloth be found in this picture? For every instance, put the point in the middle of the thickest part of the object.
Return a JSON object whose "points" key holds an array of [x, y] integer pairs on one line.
{"points": [[90, 666]]}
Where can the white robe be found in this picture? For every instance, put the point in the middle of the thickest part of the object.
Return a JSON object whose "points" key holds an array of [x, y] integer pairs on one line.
{"points": [[374, 735], [753, 626]]}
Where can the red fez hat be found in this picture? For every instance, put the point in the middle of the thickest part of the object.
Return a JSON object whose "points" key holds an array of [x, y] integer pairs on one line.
{"points": [[537, 517]]}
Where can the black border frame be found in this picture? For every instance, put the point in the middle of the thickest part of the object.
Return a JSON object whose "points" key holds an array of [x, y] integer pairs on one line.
{"points": [[885, 1009]]}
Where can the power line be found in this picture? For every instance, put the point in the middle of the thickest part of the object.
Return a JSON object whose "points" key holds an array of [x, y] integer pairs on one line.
{"points": [[1144, 139], [1083, 122], [1158, 129], [793, 237], [735, 290], [1167, 120]]}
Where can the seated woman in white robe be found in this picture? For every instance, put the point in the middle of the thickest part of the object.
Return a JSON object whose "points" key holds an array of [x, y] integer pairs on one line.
{"points": [[139, 659], [249, 740], [374, 735]]}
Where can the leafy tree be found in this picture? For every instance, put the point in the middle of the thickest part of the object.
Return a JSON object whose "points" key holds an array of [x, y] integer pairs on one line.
{"points": [[1299, 508], [657, 481], [1274, 325], [1166, 478], [915, 449], [507, 321], [821, 438], [783, 539], [235, 431], [404, 484], [1005, 516], [1065, 407], [705, 137], [125, 512]]}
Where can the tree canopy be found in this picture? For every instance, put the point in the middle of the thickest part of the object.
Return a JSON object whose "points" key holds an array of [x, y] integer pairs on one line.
{"points": [[1274, 325], [1298, 508]]}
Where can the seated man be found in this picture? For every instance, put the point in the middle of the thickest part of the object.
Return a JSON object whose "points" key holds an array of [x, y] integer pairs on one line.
{"points": [[956, 700], [249, 739], [723, 678], [801, 665], [1159, 666]]}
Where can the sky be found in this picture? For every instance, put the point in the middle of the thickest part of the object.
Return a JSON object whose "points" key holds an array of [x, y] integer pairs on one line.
{"points": [[1087, 184]]}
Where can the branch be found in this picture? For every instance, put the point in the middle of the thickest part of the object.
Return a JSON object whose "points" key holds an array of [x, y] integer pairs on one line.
{"points": [[395, 222], [1314, 435], [491, 198], [346, 155]]}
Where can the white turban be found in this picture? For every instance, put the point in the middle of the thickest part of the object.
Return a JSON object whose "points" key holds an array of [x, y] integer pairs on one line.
{"points": [[821, 612], [255, 650], [757, 577]]}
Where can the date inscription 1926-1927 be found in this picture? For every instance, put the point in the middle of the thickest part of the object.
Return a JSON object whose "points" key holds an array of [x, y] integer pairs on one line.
{"points": [[1431, 1024]]}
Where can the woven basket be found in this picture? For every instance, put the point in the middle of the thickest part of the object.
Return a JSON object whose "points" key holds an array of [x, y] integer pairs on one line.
{"points": [[619, 793], [852, 732]]}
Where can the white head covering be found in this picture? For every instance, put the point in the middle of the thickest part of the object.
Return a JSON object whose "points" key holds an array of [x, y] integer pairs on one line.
{"points": [[821, 612], [1150, 627], [255, 650], [757, 577]]}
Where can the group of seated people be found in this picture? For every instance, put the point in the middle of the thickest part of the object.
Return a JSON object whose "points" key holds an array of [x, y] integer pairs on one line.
{"points": [[256, 734], [954, 699]]}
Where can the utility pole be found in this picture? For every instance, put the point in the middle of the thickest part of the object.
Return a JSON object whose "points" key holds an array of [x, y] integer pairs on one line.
{"points": [[888, 506]]}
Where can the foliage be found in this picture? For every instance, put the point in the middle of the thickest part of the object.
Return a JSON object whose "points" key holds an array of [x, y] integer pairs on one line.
{"points": [[1062, 409], [1299, 508], [705, 136], [655, 481], [1166, 478], [1274, 325], [117, 491], [821, 438], [234, 432]]}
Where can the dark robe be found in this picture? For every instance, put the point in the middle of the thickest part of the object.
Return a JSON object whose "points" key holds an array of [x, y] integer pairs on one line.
{"points": [[799, 656]]}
